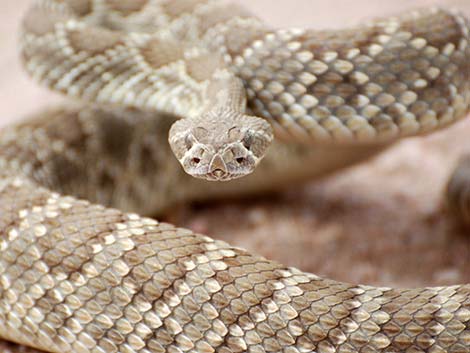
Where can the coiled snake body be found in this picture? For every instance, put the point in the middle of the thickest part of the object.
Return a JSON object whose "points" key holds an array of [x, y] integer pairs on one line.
{"points": [[79, 277]]}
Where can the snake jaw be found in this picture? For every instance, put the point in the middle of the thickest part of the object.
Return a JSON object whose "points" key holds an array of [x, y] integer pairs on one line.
{"points": [[218, 150]]}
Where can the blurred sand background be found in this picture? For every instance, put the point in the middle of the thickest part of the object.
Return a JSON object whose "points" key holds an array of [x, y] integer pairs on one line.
{"points": [[378, 223]]}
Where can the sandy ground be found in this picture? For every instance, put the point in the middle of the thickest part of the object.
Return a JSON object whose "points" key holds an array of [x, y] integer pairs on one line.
{"points": [[378, 223]]}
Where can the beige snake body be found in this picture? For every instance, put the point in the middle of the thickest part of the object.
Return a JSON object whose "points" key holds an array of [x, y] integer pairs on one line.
{"points": [[390, 78], [79, 277]]}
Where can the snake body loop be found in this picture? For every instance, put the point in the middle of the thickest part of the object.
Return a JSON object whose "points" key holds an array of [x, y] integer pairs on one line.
{"points": [[394, 77], [77, 276]]}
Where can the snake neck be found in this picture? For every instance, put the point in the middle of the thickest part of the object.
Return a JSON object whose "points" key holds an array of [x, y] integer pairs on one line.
{"points": [[225, 92]]}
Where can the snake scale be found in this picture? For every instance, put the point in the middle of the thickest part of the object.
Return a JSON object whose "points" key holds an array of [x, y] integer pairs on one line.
{"points": [[76, 276]]}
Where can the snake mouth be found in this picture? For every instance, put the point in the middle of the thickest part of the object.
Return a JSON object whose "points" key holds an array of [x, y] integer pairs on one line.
{"points": [[219, 175]]}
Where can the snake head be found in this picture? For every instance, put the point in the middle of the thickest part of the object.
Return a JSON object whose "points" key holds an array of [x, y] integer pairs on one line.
{"points": [[221, 145]]}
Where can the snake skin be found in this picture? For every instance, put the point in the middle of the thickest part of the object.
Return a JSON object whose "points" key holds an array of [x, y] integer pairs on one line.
{"points": [[397, 76], [76, 276]]}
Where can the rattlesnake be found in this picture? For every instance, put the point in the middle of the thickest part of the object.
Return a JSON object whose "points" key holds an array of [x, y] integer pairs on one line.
{"points": [[79, 277]]}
